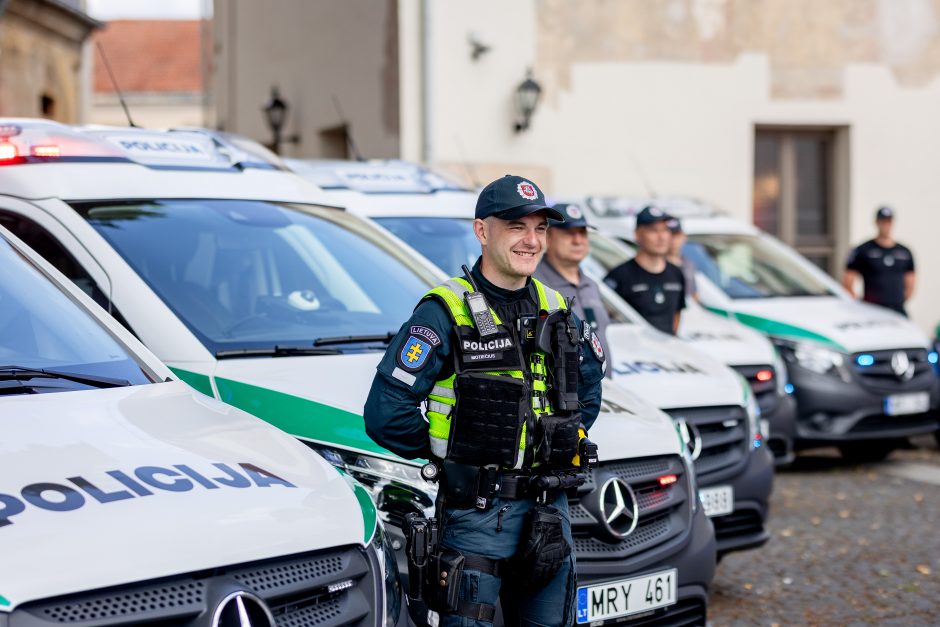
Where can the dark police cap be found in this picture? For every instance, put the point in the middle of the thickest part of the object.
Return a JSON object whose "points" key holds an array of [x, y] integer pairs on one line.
{"points": [[884, 213], [651, 215], [674, 225], [512, 197], [574, 217]]}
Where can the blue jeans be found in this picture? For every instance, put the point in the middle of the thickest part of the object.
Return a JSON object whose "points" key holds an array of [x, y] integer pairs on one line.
{"points": [[471, 531]]}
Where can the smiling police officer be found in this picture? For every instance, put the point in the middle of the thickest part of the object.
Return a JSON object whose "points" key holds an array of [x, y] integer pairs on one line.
{"points": [[498, 359], [652, 285]]}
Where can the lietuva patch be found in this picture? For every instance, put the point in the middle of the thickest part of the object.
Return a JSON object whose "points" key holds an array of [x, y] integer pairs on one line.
{"points": [[415, 352], [427, 334]]}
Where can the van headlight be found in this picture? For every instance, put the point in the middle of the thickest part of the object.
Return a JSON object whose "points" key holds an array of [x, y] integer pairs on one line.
{"points": [[388, 564], [817, 358], [396, 487]]}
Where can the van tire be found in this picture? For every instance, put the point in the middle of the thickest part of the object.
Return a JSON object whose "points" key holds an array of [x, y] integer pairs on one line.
{"points": [[861, 452]]}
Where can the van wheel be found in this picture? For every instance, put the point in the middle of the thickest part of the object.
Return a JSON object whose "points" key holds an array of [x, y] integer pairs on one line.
{"points": [[866, 451]]}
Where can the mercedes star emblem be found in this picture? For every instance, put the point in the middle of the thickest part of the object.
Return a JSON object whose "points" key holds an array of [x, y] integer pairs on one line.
{"points": [[242, 609], [619, 508], [901, 366], [692, 438]]}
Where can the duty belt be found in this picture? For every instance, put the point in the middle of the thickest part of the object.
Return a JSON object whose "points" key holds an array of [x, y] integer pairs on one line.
{"points": [[515, 485]]}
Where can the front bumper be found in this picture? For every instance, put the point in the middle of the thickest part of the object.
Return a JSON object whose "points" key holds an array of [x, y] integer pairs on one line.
{"points": [[693, 555], [832, 410], [744, 528]]}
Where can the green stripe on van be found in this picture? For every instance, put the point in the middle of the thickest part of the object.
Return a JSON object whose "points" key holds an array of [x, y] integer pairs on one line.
{"points": [[777, 328], [369, 514], [4, 602], [300, 417], [199, 382]]}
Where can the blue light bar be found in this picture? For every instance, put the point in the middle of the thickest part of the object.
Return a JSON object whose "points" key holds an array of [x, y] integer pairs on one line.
{"points": [[932, 357], [865, 360], [788, 388]]}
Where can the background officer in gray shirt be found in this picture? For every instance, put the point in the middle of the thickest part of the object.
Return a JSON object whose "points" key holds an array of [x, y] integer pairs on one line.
{"points": [[560, 268]]}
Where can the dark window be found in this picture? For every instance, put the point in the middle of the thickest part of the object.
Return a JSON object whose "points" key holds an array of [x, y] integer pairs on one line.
{"points": [[793, 194], [55, 253]]}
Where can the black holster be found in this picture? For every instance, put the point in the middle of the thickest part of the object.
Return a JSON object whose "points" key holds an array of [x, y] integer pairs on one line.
{"points": [[543, 548]]}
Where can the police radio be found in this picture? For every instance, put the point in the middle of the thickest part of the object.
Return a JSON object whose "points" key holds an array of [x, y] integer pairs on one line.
{"points": [[479, 308]]}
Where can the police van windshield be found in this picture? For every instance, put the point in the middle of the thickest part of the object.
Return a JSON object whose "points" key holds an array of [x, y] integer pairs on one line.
{"points": [[750, 266], [41, 327], [254, 275], [450, 242]]}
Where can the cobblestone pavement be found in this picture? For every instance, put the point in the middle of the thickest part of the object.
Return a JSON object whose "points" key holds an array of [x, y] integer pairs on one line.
{"points": [[850, 545]]}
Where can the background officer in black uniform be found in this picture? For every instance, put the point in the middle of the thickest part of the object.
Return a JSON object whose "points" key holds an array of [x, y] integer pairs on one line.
{"points": [[652, 285], [885, 267], [511, 224]]}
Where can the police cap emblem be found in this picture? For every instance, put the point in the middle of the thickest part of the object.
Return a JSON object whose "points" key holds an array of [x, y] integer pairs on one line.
{"points": [[527, 190]]}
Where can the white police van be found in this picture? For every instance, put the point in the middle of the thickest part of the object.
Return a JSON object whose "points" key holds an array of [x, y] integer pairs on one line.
{"points": [[864, 377], [239, 277], [745, 350], [126, 497], [712, 405]]}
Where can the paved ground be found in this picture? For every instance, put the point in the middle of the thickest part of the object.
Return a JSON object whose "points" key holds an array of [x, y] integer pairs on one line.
{"points": [[851, 545]]}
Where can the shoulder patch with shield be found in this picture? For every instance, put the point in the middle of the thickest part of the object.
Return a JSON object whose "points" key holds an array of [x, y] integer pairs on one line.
{"points": [[417, 348]]}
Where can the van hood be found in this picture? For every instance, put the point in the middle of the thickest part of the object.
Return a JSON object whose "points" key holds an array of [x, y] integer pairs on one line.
{"points": [[841, 323], [104, 487], [727, 341], [285, 391], [629, 427], [667, 372]]}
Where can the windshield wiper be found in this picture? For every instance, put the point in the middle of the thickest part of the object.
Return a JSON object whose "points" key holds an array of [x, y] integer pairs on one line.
{"points": [[384, 338], [20, 373], [275, 351]]}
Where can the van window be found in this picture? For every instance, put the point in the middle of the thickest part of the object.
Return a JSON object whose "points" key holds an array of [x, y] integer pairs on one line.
{"points": [[259, 275], [50, 249], [751, 266], [448, 243], [42, 327]]}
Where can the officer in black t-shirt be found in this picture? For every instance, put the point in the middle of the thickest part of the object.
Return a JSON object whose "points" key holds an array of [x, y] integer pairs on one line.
{"points": [[652, 285], [886, 267]]}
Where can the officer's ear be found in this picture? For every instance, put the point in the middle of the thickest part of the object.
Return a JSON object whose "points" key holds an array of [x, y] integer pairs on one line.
{"points": [[479, 229]]}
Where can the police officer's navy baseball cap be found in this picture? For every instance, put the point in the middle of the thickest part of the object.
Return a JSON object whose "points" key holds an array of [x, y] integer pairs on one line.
{"points": [[651, 215], [884, 213], [574, 217], [512, 197], [674, 224]]}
